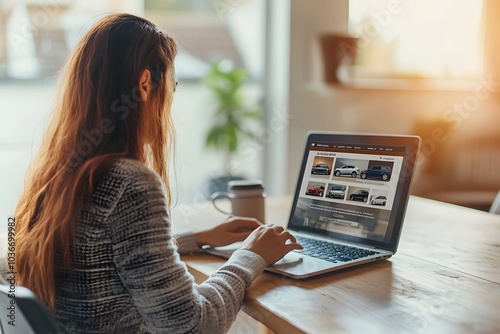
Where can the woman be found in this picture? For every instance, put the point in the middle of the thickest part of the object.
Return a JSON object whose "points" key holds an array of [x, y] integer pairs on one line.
{"points": [[92, 226]]}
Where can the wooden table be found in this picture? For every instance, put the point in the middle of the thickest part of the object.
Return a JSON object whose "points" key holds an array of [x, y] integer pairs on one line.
{"points": [[445, 278]]}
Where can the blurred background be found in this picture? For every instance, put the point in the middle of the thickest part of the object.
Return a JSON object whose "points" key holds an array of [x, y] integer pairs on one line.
{"points": [[407, 67]]}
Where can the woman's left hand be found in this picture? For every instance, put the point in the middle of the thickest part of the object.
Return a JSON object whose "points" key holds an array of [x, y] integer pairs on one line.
{"points": [[232, 230]]}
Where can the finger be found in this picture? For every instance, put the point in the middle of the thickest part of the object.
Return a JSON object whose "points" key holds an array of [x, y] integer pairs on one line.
{"points": [[288, 236], [247, 219], [245, 223], [292, 246], [278, 229]]}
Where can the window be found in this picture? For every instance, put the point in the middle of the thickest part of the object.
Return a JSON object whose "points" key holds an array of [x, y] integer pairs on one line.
{"points": [[36, 37], [417, 39]]}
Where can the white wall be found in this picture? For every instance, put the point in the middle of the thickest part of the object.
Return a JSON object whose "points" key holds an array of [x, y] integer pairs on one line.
{"points": [[397, 107], [308, 19]]}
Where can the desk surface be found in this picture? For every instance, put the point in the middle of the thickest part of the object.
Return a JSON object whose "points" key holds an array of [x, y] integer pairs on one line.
{"points": [[445, 278]]}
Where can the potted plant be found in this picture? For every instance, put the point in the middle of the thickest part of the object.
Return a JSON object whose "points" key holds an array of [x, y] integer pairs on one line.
{"points": [[231, 119]]}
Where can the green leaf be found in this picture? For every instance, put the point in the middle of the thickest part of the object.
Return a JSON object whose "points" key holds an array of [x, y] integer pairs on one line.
{"points": [[232, 108]]}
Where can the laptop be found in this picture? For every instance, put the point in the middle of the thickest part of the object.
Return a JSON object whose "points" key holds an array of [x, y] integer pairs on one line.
{"points": [[349, 203]]}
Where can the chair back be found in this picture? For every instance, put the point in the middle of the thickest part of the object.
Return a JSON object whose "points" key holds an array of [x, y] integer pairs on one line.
{"points": [[495, 206], [22, 312]]}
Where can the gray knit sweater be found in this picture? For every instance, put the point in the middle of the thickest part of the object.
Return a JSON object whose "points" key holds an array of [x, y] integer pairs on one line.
{"points": [[127, 276]]}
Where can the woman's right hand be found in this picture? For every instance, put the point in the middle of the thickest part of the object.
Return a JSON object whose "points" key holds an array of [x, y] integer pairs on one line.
{"points": [[271, 242]]}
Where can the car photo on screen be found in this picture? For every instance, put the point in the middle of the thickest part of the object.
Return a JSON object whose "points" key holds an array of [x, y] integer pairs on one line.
{"points": [[315, 189], [379, 200], [349, 167], [378, 197], [378, 170], [358, 194], [336, 191], [322, 166]]}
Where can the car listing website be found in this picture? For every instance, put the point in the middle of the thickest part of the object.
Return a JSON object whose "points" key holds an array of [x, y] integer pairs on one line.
{"points": [[349, 189]]}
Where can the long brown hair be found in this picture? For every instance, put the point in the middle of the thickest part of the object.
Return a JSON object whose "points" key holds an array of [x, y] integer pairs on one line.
{"points": [[98, 119]]}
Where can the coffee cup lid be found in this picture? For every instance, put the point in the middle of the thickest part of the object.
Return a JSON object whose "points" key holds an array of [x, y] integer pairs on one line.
{"points": [[244, 184]]}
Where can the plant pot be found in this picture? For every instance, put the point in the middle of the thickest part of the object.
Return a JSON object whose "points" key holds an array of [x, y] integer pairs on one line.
{"points": [[336, 51]]}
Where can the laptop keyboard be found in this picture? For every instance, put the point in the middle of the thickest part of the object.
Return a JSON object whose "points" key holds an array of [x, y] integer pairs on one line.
{"points": [[330, 251]]}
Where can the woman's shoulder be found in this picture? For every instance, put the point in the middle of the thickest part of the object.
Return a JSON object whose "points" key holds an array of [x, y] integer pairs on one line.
{"points": [[125, 176], [131, 171]]}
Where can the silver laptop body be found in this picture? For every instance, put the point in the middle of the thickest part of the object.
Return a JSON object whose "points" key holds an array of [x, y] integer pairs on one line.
{"points": [[352, 190]]}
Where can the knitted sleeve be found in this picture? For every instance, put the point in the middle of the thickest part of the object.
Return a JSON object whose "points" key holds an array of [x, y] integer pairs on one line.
{"points": [[186, 243], [148, 264]]}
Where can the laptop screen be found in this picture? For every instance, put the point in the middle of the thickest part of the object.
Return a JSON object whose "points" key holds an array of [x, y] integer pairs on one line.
{"points": [[354, 187]]}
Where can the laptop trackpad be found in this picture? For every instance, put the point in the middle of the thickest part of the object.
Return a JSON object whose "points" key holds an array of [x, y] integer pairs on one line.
{"points": [[289, 260]]}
